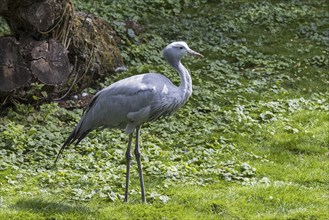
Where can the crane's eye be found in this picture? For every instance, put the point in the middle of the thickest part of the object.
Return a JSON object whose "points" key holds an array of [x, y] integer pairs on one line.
{"points": [[181, 48]]}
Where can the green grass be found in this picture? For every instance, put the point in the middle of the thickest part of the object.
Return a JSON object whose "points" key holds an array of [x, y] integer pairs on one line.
{"points": [[251, 143], [261, 201]]}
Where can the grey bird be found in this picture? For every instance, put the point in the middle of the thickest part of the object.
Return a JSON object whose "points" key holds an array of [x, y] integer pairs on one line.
{"points": [[129, 103]]}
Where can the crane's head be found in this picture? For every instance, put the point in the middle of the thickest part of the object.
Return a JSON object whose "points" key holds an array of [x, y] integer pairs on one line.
{"points": [[176, 50]]}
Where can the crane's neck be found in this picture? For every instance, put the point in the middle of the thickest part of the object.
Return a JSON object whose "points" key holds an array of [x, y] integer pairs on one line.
{"points": [[185, 87]]}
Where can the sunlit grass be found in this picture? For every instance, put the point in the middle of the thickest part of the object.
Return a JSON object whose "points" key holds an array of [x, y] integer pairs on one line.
{"points": [[274, 199]]}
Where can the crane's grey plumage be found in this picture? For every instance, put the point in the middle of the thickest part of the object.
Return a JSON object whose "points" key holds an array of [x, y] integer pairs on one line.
{"points": [[130, 102]]}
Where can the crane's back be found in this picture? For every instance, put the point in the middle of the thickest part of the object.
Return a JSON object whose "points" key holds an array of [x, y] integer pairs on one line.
{"points": [[133, 100]]}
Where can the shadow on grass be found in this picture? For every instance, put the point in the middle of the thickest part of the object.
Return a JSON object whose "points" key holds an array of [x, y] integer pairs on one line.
{"points": [[40, 205]]}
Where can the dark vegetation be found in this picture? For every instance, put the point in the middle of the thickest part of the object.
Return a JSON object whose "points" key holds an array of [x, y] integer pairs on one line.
{"points": [[51, 50]]}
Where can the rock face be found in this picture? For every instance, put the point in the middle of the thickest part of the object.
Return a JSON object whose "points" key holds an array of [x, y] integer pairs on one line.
{"points": [[14, 72], [52, 45]]}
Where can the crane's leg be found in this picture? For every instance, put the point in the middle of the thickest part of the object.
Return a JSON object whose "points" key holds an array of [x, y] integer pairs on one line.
{"points": [[128, 159], [139, 164]]}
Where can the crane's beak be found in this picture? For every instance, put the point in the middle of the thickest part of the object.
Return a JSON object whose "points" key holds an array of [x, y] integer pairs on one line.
{"points": [[193, 53]]}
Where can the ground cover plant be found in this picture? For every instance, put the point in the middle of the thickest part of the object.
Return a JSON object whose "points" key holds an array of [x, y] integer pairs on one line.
{"points": [[251, 143]]}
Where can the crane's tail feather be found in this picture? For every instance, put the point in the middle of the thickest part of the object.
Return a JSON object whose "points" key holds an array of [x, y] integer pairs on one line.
{"points": [[73, 137], [68, 141], [60, 153], [84, 134]]}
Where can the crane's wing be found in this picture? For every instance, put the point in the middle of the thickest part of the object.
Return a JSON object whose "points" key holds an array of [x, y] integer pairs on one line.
{"points": [[124, 104]]}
